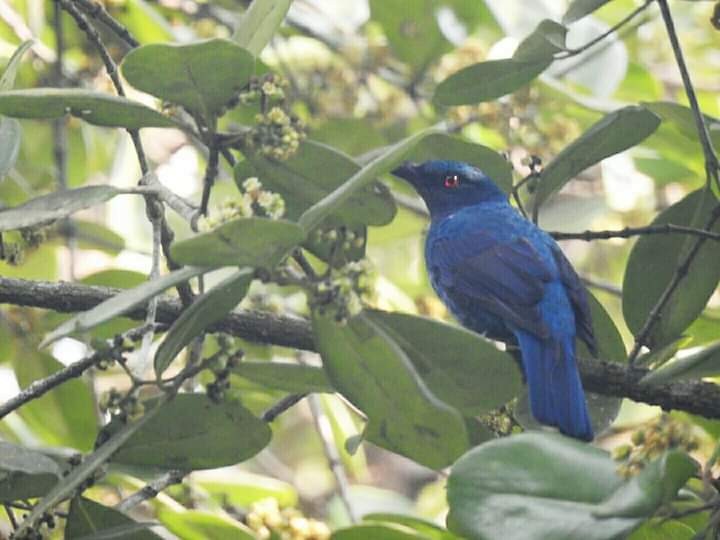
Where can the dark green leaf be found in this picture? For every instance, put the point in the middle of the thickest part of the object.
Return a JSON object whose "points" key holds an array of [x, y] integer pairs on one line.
{"points": [[92, 235], [614, 133], [442, 146], [258, 24], [579, 8], [256, 242], [703, 363], [199, 525], [93, 107], [365, 531], [385, 162], [202, 76], [653, 262], [656, 485], [311, 174], [459, 367], [56, 205], [411, 29], [546, 40], [546, 485], [121, 303], [486, 81], [10, 137], [193, 432], [372, 371], [7, 81], [65, 415], [611, 347], [294, 378], [25, 473], [204, 311], [682, 117], [89, 520]]}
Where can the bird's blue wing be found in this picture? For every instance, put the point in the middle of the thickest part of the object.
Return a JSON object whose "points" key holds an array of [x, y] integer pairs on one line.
{"points": [[504, 278], [578, 298]]}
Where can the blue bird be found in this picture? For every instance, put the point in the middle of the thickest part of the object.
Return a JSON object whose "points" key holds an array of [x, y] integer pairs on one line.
{"points": [[503, 277]]}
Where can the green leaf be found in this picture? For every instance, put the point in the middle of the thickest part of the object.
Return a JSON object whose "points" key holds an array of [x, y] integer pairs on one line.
{"points": [[53, 206], [653, 262], [656, 485], [663, 529], [63, 416], [295, 378], [243, 489], [256, 242], [614, 133], [121, 303], [7, 81], [92, 235], [546, 485], [209, 435], [199, 525], [458, 366], [546, 40], [374, 374], [442, 146], [389, 531], [204, 311], [202, 76], [385, 162], [683, 118], [258, 24], [611, 347], [703, 363], [579, 8], [10, 137], [301, 186], [144, 21], [25, 473], [93, 107], [427, 528], [487, 81], [89, 520], [412, 30]]}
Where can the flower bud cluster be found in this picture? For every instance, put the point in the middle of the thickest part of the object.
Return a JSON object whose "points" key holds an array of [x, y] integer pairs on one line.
{"points": [[651, 441], [253, 201], [276, 134], [269, 521], [346, 289]]}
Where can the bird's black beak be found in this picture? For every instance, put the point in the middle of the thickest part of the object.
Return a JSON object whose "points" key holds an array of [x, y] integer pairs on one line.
{"points": [[407, 171]]}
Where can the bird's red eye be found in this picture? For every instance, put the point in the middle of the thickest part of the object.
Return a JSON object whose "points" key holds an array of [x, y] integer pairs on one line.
{"points": [[451, 181]]}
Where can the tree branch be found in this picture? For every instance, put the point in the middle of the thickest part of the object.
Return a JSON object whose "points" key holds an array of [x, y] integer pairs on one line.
{"points": [[151, 490], [612, 379], [628, 232]]}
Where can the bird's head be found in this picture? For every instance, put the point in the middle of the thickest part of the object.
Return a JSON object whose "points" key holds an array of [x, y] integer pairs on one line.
{"points": [[447, 186]]}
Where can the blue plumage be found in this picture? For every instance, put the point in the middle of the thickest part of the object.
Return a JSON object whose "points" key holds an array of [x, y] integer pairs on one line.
{"points": [[502, 276]]}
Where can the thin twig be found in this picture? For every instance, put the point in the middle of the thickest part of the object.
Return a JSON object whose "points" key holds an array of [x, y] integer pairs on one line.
{"points": [[628, 232], [151, 490], [711, 169], [680, 273], [11, 516], [98, 11], [42, 386], [602, 286], [211, 172], [711, 159], [322, 425], [281, 406], [573, 52]]}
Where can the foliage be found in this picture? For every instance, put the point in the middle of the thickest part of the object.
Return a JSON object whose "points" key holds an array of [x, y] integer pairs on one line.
{"points": [[205, 263]]}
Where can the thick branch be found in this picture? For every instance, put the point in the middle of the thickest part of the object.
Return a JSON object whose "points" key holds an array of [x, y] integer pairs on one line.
{"points": [[603, 378]]}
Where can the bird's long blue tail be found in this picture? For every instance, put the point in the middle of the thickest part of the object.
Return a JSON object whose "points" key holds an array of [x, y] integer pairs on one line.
{"points": [[556, 394]]}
